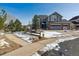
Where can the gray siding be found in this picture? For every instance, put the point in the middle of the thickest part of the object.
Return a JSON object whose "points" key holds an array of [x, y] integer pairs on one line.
{"points": [[54, 18]]}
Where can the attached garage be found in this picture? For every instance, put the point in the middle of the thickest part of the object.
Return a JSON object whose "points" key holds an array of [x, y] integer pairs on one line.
{"points": [[55, 27], [59, 27]]}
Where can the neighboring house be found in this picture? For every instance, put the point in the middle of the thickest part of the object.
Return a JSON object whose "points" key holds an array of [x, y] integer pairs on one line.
{"points": [[43, 21], [53, 22], [75, 21]]}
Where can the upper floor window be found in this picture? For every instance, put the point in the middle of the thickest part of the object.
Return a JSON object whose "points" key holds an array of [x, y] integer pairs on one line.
{"points": [[53, 18]]}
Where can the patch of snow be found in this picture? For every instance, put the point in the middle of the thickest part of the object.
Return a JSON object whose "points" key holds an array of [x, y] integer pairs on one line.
{"points": [[33, 33], [25, 37], [3, 42], [49, 34], [67, 39], [36, 54], [55, 44], [1, 33], [50, 46], [57, 48], [76, 31], [20, 34]]}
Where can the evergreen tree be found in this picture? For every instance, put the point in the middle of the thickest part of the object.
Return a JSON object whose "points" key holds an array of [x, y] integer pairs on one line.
{"points": [[17, 25], [14, 26], [35, 22], [2, 20], [10, 27]]}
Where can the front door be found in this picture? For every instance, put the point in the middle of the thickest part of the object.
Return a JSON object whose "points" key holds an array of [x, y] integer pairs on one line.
{"points": [[43, 26]]}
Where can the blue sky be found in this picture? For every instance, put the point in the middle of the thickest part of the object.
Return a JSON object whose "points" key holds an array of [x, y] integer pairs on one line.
{"points": [[25, 11]]}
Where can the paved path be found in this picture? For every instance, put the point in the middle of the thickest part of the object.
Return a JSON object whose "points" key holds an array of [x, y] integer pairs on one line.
{"points": [[15, 39], [27, 49]]}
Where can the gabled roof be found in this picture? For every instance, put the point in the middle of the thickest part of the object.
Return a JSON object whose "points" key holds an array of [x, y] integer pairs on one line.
{"points": [[56, 13], [76, 18], [43, 16]]}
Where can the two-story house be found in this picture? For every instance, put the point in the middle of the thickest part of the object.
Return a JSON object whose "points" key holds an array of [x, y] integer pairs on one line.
{"points": [[53, 21], [75, 21], [56, 22]]}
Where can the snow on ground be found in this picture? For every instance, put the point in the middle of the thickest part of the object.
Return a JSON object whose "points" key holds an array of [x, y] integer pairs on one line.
{"points": [[26, 37], [66, 39], [36, 54], [4, 43], [77, 31], [50, 46], [49, 34], [1, 33], [20, 34], [55, 45]]}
